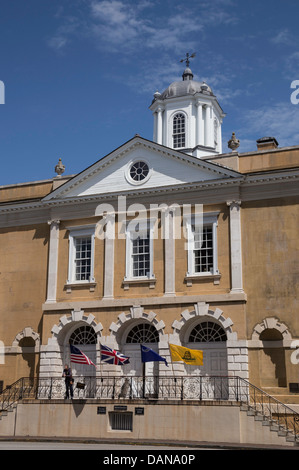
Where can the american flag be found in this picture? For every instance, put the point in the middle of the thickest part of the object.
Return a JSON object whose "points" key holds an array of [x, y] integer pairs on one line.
{"points": [[110, 356], [79, 357]]}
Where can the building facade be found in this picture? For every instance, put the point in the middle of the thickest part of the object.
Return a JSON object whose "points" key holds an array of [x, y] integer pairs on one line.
{"points": [[163, 241]]}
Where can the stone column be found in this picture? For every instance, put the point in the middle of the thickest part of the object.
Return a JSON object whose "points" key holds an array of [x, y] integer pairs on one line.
{"points": [[235, 246], [53, 261]]}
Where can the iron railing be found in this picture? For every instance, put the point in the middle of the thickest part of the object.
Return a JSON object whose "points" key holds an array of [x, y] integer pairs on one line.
{"points": [[216, 388], [131, 387]]}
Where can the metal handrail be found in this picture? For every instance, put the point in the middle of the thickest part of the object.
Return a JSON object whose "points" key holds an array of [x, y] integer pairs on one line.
{"points": [[216, 388], [270, 409]]}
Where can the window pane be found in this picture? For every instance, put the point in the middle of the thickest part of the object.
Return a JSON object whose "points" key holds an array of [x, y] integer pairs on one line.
{"points": [[207, 332], [203, 249], [83, 335], [179, 131], [141, 256], [83, 258], [143, 333]]}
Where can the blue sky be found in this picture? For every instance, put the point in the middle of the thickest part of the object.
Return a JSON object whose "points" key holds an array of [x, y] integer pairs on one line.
{"points": [[80, 75]]}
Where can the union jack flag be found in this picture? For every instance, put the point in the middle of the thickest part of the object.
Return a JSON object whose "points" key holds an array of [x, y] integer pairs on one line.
{"points": [[79, 357], [110, 356]]}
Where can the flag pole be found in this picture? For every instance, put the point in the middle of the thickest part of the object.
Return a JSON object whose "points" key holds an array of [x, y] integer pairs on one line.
{"points": [[143, 380]]}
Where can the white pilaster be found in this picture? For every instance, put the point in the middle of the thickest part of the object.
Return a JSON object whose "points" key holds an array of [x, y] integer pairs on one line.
{"points": [[199, 126], [155, 127], [169, 241], [159, 126], [208, 126], [219, 138], [235, 246], [53, 260], [211, 137], [109, 258]]}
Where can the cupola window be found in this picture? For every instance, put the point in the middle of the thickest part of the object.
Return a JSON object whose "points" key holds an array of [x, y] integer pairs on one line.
{"points": [[179, 131]]}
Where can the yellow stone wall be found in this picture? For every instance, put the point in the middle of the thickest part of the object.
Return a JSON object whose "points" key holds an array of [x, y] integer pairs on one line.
{"points": [[270, 274], [23, 278], [271, 266]]}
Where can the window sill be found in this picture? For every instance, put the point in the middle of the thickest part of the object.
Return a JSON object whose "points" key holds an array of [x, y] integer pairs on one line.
{"points": [[69, 286], [140, 280], [190, 278]]}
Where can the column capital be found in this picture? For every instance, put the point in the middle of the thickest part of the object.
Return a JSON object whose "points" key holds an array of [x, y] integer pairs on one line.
{"points": [[234, 203], [53, 222]]}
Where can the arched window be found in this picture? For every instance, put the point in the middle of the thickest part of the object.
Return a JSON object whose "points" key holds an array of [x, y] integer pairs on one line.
{"points": [[85, 334], [207, 332], [179, 131], [143, 333]]}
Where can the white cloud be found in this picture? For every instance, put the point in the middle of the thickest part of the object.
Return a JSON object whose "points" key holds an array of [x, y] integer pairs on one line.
{"points": [[58, 42], [122, 26], [283, 37], [63, 35], [139, 29], [126, 26]]}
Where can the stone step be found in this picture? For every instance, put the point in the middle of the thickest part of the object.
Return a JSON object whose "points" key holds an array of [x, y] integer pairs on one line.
{"points": [[290, 438], [259, 418]]}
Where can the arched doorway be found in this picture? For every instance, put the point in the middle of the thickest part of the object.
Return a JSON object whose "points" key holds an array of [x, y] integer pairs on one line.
{"points": [[85, 339], [209, 337], [140, 333], [142, 375], [272, 359], [270, 338], [28, 359]]}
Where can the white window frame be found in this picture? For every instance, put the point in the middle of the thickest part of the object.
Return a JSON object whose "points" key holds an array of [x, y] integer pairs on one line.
{"points": [[144, 226], [74, 234], [176, 135], [211, 220]]}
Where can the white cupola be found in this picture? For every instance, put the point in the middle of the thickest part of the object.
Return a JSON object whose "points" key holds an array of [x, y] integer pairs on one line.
{"points": [[188, 117]]}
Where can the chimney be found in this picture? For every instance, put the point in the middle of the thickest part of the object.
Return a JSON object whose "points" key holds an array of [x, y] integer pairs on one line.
{"points": [[267, 143]]}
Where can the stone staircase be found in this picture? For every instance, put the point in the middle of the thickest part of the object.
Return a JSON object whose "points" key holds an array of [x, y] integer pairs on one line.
{"points": [[273, 423]]}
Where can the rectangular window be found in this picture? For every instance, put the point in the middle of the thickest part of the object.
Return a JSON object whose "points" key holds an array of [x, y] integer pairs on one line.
{"points": [[203, 249], [83, 259], [139, 249], [178, 140], [202, 246], [81, 255], [141, 256]]}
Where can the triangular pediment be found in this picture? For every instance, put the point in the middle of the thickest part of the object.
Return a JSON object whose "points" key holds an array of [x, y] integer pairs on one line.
{"points": [[167, 168]]}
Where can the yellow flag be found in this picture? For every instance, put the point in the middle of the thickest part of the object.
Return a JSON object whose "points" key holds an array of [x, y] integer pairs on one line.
{"points": [[192, 357]]}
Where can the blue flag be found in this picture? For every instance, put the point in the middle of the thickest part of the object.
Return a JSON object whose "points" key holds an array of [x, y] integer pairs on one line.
{"points": [[148, 355]]}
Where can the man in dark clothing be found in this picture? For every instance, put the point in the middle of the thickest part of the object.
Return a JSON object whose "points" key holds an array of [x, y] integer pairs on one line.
{"points": [[67, 373]]}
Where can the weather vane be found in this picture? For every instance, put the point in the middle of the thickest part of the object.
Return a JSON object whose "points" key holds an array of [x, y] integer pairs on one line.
{"points": [[187, 58]]}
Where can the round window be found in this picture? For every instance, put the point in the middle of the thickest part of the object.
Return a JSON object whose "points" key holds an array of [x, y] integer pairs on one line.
{"points": [[139, 171]]}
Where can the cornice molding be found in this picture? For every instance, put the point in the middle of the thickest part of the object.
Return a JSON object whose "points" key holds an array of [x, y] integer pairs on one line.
{"points": [[264, 181]]}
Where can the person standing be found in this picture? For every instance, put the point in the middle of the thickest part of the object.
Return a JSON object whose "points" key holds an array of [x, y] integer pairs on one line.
{"points": [[67, 374]]}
